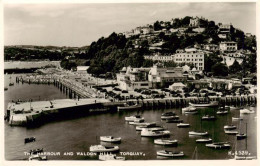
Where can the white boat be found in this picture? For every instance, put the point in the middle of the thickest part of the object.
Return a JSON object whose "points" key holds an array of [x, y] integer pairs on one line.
{"points": [[236, 118], [133, 118], [231, 132], [111, 157], [221, 112], [166, 153], [204, 140], [165, 142], [142, 123], [246, 111], [137, 122], [208, 117], [169, 117], [205, 104], [198, 133], [183, 125], [37, 157], [230, 127], [155, 128], [241, 136], [102, 148], [189, 109], [150, 133], [218, 145], [110, 139], [129, 107]]}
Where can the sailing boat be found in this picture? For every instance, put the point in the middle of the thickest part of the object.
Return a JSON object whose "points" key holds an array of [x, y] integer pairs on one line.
{"points": [[244, 154], [195, 154], [241, 135], [10, 83], [218, 145], [198, 133]]}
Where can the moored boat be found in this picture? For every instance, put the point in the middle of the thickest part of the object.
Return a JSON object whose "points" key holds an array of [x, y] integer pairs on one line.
{"points": [[167, 115], [183, 125], [150, 133], [142, 123], [166, 142], [110, 139], [167, 153], [195, 133], [133, 118], [189, 109], [170, 117], [218, 145], [30, 139], [128, 107], [246, 111], [236, 118], [111, 157], [174, 121], [37, 157], [230, 127], [36, 151], [204, 140], [204, 104], [208, 117], [153, 128], [231, 132], [136, 122], [102, 148], [241, 136], [221, 112]]}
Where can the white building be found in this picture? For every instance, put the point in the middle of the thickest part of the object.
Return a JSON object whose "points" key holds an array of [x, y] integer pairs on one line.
{"points": [[158, 57], [228, 46], [133, 78], [230, 60], [190, 55], [82, 68], [177, 86], [211, 47], [198, 30]]}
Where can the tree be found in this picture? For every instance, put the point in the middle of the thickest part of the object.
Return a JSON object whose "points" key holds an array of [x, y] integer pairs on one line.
{"points": [[157, 26], [219, 69], [235, 67]]}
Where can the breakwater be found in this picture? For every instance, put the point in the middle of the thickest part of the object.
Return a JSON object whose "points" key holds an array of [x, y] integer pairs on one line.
{"points": [[39, 112]]}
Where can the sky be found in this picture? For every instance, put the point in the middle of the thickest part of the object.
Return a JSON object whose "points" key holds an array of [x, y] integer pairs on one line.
{"points": [[80, 24]]}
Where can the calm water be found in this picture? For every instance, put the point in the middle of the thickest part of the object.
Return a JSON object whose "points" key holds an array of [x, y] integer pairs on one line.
{"points": [[77, 135]]}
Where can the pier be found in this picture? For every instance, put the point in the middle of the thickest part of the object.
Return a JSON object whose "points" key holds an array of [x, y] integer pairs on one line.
{"points": [[25, 113]]}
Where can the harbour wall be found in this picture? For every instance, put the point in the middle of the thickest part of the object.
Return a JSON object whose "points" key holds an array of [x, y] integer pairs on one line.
{"points": [[41, 117]]}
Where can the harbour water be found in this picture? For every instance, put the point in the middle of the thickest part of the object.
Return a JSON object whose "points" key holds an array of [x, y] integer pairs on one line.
{"points": [[77, 135]]}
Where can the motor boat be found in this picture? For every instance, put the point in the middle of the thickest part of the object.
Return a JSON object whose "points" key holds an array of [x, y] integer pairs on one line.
{"points": [[236, 118], [208, 117], [183, 125], [110, 139], [129, 107], [170, 117], [153, 128], [110, 157], [165, 142], [142, 123], [230, 127], [246, 111], [174, 121], [222, 112], [30, 139], [231, 132], [37, 157], [36, 151], [241, 136], [167, 153], [167, 115], [133, 118], [102, 148], [136, 122], [204, 104], [189, 109], [204, 140], [218, 145], [151, 133], [198, 133]]}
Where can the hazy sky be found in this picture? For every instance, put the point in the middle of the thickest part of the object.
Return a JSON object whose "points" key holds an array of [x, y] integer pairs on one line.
{"points": [[80, 24]]}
